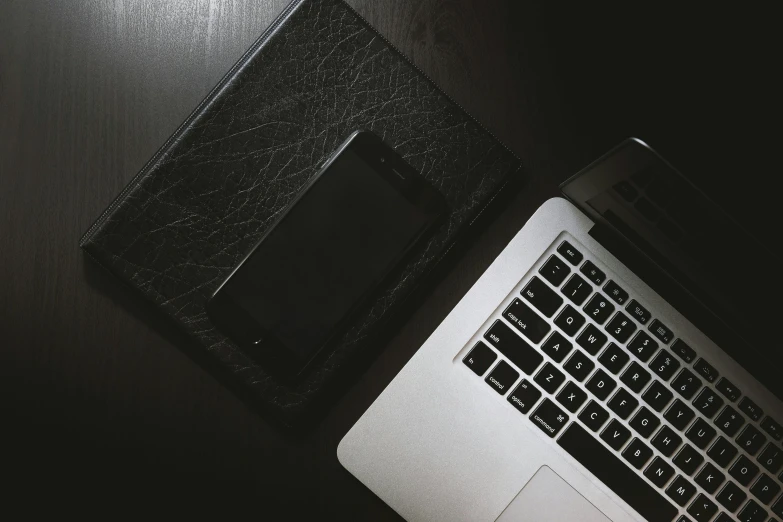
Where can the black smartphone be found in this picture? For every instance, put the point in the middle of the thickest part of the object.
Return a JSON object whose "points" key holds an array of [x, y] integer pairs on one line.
{"points": [[348, 229]]}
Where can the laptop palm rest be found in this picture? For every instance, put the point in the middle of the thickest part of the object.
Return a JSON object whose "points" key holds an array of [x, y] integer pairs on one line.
{"points": [[548, 498]]}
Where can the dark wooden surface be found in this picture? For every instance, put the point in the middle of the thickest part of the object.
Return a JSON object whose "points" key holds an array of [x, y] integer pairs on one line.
{"points": [[96, 396]]}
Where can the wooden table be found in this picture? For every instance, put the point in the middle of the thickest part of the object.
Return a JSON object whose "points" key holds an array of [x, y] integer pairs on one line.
{"points": [[100, 396]]}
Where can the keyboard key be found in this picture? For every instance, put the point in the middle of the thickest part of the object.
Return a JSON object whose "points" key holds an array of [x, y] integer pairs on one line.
{"points": [[645, 422], [637, 453], [723, 517], [727, 388], [702, 509], [729, 421], [615, 434], [657, 396], [542, 297], [635, 377], [594, 416], [554, 270], [700, 433], [683, 351], [593, 273], [664, 365], [731, 497], [577, 289], [638, 312], [708, 402], [751, 439], [709, 478], [666, 441], [681, 490], [705, 369], [549, 378], [751, 409], [616, 475], [623, 403], [765, 489], [600, 384], [722, 452], [613, 358], [569, 253], [772, 427], [579, 365], [679, 415], [642, 346], [502, 377], [549, 418], [480, 358], [620, 327], [591, 339], [615, 293], [557, 346], [571, 397], [686, 384], [752, 512], [743, 470], [661, 331], [524, 396], [598, 308], [569, 320], [659, 472], [771, 458], [688, 459], [777, 507], [524, 356], [524, 319]]}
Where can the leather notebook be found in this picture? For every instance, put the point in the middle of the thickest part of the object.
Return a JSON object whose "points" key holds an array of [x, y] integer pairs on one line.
{"points": [[318, 73]]}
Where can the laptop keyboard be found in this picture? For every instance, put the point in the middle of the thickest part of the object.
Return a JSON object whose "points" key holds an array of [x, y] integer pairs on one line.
{"points": [[629, 400]]}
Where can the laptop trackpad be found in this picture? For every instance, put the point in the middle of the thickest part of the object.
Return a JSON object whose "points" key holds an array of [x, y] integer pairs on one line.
{"points": [[548, 498]]}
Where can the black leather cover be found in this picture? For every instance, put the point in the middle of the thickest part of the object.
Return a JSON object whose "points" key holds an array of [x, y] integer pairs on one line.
{"points": [[318, 73]]}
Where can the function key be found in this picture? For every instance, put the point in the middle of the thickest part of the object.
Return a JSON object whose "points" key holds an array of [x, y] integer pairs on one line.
{"points": [[524, 356], [615, 293], [686, 384], [598, 309], [554, 270], [502, 377], [771, 426], [549, 418], [480, 358], [571, 254], [771, 458], [577, 289], [620, 327], [661, 331], [683, 351], [751, 409], [526, 321], [706, 370], [638, 312], [542, 297], [729, 421], [593, 273], [569, 320], [524, 396], [728, 389]]}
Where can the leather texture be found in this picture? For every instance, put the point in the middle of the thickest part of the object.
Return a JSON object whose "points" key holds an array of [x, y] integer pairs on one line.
{"points": [[207, 196]]}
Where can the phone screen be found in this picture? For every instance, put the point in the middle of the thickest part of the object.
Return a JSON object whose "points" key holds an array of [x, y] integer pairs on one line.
{"points": [[336, 243]]}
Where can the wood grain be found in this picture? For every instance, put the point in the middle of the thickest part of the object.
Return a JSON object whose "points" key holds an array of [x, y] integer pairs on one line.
{"points": [[94, 381]]}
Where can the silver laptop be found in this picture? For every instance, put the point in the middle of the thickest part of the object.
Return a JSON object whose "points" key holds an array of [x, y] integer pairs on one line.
{"points": [[617, 362]]}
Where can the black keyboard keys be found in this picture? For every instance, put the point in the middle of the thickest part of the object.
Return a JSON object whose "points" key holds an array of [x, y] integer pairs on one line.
{"points": [[591, 339], [642, 346], [524, 396], [577, 289], [700, 433], [657, 396], [620, 327], [615, 474], [731, 497], [615, 434], [571, 397], [664, 365], [679, 415], [681, 491], [502, 377], [637, 453], [549, 378], [683, 351], [635, 377], [526, 321], [728, 389], [569, 253], [549, 418], [765, 489], [751, 439], [600, 384], [593, 273], [524, 356], [638, 312], [702, 509], [623, 403], [579, 365], [772, 427], [751, 409], [752, 512], [688, 459], [542, 297], [569, 320], [594, 416], [645, 422], [743, 470], [613, 358], [708, 402], [722, 452], [598, 308], [659, 472], [777, 507], [686, 384], [705, 369], [556, 347], [710, 478], [615, 293], [661, 331], [771, 458], [666, 441], [554, 270], [480, 358], [729, 421]]}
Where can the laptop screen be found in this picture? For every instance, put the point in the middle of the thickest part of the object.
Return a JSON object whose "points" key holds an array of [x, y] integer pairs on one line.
{"points": [[698, 245]]}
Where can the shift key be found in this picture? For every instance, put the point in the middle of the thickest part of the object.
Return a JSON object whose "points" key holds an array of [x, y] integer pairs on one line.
{"points": [[526, 320], [516, 350]]}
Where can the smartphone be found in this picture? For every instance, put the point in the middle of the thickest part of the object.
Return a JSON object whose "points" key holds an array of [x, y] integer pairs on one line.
{"points": [[356, 221]]}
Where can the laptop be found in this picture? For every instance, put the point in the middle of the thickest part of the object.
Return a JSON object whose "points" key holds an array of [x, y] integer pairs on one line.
{"points": [[616, 362]]}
